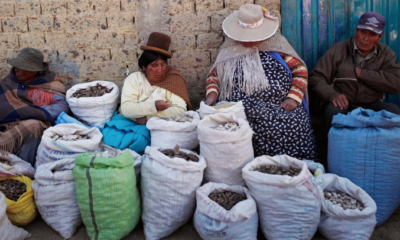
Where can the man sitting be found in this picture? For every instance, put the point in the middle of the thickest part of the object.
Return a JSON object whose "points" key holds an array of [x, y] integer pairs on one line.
{"points": [[31, 98], [357, 72]]}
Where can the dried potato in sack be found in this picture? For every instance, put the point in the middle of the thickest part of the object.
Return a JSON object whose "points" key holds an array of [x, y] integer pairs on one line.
{"points": [[55, 198], [166, 133], [12, 165], [213, 222], [107, 195], [236, 108], [288, 207], [226, 152], [22, 211], [337, 223], [168, 188], [94, 108], [66, 141]]}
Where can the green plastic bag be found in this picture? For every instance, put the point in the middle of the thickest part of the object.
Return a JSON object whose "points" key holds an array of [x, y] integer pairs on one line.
{"points": [[107, 195]]}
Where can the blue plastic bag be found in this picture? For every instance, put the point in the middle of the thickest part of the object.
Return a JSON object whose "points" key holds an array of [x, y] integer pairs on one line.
{"points": [[64, 118], [364, 146]]}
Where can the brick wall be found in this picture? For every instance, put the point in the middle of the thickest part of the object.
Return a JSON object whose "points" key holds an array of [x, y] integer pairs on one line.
{"points": [[86, 40]]}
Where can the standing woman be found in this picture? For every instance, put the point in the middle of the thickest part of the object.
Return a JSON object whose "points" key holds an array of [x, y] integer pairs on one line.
{"points": [[156, 90], [259, 67], [31, 98]]}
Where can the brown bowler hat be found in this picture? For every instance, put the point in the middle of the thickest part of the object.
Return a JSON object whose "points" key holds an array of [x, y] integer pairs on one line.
{"points": [[159, 43]]}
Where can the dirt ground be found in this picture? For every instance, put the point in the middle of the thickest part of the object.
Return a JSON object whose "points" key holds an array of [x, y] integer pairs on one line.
{"points": [[41, 231]]}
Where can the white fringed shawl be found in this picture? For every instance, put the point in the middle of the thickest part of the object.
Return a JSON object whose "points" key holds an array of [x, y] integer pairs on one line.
{"points": [[252, 77]]}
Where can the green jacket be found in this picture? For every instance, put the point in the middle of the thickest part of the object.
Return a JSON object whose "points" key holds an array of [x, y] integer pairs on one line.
{"points": [[335, 74]]}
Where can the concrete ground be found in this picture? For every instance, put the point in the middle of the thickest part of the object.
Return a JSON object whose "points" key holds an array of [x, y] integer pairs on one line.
{"points": [[41, 231]]}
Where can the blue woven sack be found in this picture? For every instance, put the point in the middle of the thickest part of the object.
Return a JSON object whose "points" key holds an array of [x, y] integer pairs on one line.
{"points": [[364, 146]]}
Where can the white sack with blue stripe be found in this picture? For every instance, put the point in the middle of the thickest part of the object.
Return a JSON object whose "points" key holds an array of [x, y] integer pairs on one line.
{"points": [[54, 191]]}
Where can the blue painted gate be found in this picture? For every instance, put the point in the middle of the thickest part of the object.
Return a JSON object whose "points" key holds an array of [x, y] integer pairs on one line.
{"points": [[312, 26]]}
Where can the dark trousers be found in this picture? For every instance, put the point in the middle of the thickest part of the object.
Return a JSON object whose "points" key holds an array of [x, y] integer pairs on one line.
{"points": [[330, 110]]}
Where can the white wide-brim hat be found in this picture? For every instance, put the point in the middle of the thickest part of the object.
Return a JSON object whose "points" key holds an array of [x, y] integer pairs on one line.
{"points": [[250, 24]]}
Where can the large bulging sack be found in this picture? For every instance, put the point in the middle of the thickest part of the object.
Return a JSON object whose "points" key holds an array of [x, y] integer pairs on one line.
{"points": [[22, 211], [337, 223], [107, 194], [226, 153], [7, 230], [12, 165], [288, 207], [213, 222], [94, 110], [364, 146], [51, 149], [236, 108], [167, 134], [55, 198], [168, 188]]}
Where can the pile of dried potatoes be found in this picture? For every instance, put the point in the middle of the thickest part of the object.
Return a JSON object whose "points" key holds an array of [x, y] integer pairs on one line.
{"points": [[177, 153], [109, 154], [181, 118], [278, 170], [73, 137], [230, 127], [227, 199], [12, 189], [343, 200], [96, 91], [225, 105]]}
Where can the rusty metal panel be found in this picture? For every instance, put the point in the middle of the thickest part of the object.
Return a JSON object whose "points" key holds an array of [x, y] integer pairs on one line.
{"points": [[312, 26]]}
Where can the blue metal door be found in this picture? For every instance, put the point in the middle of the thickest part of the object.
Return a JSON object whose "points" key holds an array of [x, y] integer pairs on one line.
{"points": [[312, 26]]}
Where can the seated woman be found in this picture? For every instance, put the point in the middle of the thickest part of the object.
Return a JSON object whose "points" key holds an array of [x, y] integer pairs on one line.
{"points": [[259, 67], [31, 98], [156, 90]]}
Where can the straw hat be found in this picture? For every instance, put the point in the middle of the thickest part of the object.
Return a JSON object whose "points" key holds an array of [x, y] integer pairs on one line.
{"points": [[29, 59], [250, 24], [159, 43]]}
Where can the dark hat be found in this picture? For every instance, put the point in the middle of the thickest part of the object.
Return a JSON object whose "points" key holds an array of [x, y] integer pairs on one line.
{"points": [[29, 59], [159, 43], [372, 21]]}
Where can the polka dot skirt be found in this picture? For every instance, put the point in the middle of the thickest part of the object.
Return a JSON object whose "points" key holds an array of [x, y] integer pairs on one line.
{"points": [[277, 131]]}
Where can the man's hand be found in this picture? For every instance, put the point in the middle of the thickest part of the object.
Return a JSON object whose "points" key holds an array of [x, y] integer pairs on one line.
{"points": [[141, 121], [162, 105], [358, 72], [340, 101], [211, 99], [289, 104]]}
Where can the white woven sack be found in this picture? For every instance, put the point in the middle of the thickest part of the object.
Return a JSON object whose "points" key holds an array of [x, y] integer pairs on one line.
{"points": [[7, 230], [288, 207], [226, 153], [237, 109], [19, 167], [168, 188], [50, 150], [167, 134], [214, 222], [339, 224], [94, 110], [55, 196]]}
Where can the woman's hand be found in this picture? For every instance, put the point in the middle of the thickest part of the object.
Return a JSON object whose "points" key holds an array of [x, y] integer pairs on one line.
{"points": [[289, 104], [211, 99], [162, 105], [141, 121]]}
